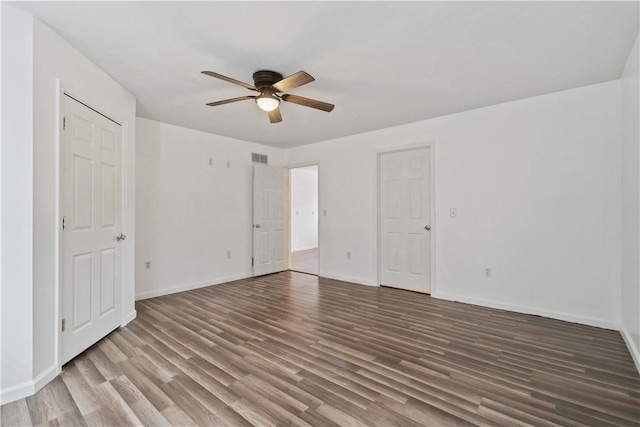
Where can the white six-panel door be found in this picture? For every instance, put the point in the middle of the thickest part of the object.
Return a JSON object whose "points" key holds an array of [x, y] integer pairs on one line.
{"points": [[405, 220], [92, 219], [270, 219]]}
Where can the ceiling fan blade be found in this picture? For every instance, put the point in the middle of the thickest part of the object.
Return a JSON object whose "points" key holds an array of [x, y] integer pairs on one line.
{"points": [[293, 81], [230, 80], [307, 102], [229, 101], [275, 116]]}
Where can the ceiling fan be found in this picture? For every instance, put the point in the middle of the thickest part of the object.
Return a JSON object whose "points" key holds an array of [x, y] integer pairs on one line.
{"points": [[271, 86]]}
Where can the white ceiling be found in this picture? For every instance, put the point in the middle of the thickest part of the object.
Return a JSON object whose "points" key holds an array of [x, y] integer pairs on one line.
{"points": [[382, 63]]}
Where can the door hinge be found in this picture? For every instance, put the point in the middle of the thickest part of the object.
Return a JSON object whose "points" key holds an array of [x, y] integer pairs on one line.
{"points": [[64, 222], [251, 261], [64, 324], [64, 123]]}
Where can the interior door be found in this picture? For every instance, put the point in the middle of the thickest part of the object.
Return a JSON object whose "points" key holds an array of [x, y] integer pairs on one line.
{"points": [[270, 219], [405, 220], [92, 227]]}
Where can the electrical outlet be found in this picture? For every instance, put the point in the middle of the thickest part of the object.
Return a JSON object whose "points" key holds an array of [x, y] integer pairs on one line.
{"points": [[453, 213], [487, 272], [228, 254], [147, 265], [348, 254]]}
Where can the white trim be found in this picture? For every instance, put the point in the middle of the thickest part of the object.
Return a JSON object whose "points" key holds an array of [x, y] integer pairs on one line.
{"points": [[350, 279], [128, 318], [304, 164], [633, 350], [189, 287], [29, 388], [589, 321], [16, 392], [45, 377], [58, 250], [431, 145], [305, 248], [127, 269]]}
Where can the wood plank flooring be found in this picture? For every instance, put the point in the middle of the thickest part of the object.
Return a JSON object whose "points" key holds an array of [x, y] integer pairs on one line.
{"points": [[292, 349], [305, 261]]}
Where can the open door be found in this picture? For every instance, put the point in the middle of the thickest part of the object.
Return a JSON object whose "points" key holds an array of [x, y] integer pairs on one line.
{"points": [[270, 219]]}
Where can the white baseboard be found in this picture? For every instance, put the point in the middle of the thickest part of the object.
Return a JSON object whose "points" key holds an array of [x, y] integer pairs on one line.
{"points": [[635, 351], [590, 321], [306, 248], [16, 392], [189, 287], [28, 388], [45, 377], [129, 317], [356, 280]]}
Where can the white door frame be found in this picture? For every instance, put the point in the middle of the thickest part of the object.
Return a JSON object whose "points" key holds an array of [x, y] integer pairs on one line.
{"points": [[431, 145], [66, 88], [296, 166]]}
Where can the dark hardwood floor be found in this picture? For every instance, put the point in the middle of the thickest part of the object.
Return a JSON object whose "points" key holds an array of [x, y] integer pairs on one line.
{"points": [[292, 349], [305, 261]]}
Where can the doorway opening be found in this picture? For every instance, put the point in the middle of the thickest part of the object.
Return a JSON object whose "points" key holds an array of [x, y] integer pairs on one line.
{"points": [[304, 219]]}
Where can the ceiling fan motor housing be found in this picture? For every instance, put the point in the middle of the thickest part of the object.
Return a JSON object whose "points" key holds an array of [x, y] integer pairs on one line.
{"points": [[265, 78]]}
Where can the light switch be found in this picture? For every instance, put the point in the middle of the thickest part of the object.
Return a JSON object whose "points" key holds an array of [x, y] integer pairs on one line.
{"points": [[453, 212]]}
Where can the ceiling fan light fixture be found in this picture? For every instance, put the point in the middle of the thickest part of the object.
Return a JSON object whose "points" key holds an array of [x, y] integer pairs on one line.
{"points": [[267, 102], [271, 87]]}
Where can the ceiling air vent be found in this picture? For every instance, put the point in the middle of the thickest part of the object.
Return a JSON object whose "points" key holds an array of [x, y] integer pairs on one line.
{"points": [[259, 158]]}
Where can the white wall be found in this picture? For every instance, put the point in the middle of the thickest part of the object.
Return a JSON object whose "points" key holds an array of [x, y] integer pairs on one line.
{"points": [[536, 184], [631, 204], [190, 213], [17, 202], [55, 59], [57, 64], [304, 208]]}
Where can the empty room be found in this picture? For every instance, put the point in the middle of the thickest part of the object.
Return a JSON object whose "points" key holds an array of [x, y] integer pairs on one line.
{"points": [[255, 213]]}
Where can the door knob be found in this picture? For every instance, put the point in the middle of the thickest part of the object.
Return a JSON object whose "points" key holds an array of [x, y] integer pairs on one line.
{"points": [[120, 237], [257, 225], [427, 227]]}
